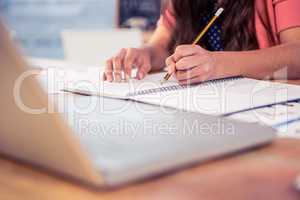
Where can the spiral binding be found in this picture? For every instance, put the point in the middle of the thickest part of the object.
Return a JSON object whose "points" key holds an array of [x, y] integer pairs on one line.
{"points": [[179, 87]]}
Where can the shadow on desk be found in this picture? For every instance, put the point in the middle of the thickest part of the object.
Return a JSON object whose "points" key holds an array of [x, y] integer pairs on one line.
{"points": [[266, 173]]}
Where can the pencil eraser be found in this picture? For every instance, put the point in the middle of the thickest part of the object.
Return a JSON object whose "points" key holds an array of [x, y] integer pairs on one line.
{"points": [[219, 12]]}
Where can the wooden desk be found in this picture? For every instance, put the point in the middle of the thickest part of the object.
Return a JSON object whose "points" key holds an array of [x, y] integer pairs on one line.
{"points": [[267, 173], [293, 82]]}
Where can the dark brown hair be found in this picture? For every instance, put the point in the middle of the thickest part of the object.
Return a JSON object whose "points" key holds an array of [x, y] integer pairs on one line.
{"points": [[237, 22]]}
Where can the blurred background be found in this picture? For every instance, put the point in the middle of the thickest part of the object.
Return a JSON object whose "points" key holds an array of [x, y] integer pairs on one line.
{"points": [[82, 31]]}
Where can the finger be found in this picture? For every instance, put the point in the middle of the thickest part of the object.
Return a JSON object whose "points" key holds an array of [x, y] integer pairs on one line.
{"points": [[129, 62], [144, 67], [186, 50], [190, 62], [192, 73], [171, 65], [195, 80], [108, 74], [118, 64]]}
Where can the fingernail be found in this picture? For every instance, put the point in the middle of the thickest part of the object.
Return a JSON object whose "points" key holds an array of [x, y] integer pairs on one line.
{"points": [[109, 79], [118, 80], [141, 75], [182, 83], [127, 77]]}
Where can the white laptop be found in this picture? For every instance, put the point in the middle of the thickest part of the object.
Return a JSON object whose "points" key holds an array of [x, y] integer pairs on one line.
{"points": [[120, 143]]}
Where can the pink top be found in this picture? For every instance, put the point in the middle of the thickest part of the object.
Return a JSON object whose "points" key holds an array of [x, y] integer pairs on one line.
{"points": [[271, 17]]}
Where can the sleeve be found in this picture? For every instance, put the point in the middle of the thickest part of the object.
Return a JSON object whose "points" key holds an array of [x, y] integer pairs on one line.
{"points": [[287, 14], [167, 19]]}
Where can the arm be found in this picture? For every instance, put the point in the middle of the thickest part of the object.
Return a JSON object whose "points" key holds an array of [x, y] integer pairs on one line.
{"points": [[193, 64], [158, 47], [262, 63]]}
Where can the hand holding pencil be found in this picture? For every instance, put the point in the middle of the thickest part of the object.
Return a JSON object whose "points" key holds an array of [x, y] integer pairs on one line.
{"points": [[188, 50]]}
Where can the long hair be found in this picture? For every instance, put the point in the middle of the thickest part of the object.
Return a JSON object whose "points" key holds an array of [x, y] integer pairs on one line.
{"points": [[237, 22]]}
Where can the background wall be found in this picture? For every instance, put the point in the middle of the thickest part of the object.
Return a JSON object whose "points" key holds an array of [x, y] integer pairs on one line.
{"points": [[38, 23]]}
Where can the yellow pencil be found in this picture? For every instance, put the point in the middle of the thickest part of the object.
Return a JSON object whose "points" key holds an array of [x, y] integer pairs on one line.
{"points": [[202, 33]]}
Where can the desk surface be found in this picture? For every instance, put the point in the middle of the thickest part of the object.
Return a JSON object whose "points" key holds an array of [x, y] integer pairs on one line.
{"points": [[267, 173]]}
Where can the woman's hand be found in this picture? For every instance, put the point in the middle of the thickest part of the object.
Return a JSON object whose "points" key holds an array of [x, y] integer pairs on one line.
{"points": [[123, 63], [191, 64]]}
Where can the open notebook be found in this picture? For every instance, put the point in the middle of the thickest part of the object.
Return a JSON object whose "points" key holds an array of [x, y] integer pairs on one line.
{"points": [[216, 97]]}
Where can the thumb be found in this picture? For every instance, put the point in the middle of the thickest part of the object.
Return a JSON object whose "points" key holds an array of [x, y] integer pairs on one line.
{"points": [[144, 67], [171, 65]]}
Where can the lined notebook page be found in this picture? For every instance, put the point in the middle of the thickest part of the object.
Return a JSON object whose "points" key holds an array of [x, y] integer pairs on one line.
{"points": [[126, 89], [223, 96], [215, 97]]}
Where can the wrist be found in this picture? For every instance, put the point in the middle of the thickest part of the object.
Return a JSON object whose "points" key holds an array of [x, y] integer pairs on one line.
{"points": [[226, 64], [156, 55], [147, 51]]}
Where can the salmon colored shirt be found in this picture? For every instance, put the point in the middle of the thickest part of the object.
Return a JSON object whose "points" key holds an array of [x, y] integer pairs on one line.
{"points": [[271, 17]]}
